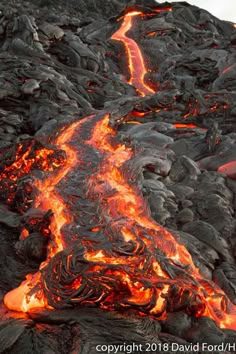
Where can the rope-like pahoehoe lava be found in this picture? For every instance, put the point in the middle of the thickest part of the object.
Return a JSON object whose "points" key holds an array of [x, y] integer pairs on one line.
{"points": [[129, 261]]}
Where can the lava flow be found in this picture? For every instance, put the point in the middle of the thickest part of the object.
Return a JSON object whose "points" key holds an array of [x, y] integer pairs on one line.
{"points": [[126, 261], [136, 264], [47, 199], [135, 58]]}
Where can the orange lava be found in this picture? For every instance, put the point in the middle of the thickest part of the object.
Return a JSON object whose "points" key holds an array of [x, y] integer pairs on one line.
{"points": [[24, 162], [229, 169], [180, 126], [151, 34], [133, 122], [26, 297], [126, 202], [139, 114], [163, 9], [20, 299], [124, 205], [49, 199], [135, 58]]}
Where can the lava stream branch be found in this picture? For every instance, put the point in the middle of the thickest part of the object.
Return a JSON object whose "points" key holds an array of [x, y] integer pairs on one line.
{"points": [[24, 298], [49, 199], [127, 204], [134, 54]]}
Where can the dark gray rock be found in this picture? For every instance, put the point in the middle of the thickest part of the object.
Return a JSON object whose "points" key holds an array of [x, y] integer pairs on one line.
{"points": [[177, 323], [185, 216], [152, 139], [181, 191], [186, 203], [184, 168], [215, 210], [8, 217], [51, 31], [204, 330], [191, 149], [213, 182], [30, 86], [208, 234], [225, 277], [204, 256]]}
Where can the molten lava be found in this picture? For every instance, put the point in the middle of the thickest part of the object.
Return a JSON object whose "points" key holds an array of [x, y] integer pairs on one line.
{"points": [[183, 126], [229, 169], [135, 58], [135, 267], [127, 260], [47, 199]]}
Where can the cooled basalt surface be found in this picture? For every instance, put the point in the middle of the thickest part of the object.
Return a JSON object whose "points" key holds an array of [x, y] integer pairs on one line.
{"points": [[117, 176]]}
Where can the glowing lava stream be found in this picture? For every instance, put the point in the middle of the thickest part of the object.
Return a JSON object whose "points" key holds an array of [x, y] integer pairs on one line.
{"points": [[135, 58], [19, 299], [125, 203]]}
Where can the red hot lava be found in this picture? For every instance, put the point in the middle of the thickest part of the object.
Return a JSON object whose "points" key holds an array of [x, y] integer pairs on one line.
{"points": [[140, 277], [135, 58], [229, 169], [135, 263]]}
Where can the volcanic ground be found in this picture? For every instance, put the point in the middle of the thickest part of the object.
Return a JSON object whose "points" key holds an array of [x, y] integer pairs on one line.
{"points": [[117, 178]]}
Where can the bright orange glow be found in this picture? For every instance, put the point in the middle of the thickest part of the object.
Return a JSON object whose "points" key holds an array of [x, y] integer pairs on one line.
{"points": [[135, 58], [229, 169], [151, 34], [24, 162], [133, 122], [187, 126], [139, 114], [163, 9], [126, 206], [127, 203], [20, 299], [24, 234], [141, 274], [49, 199], [180, 125]]}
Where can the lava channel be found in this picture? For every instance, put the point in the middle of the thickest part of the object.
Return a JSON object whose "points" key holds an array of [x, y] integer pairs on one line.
{"points": [[131, 270], [141, 265], [135, 58], [21, 298]]}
